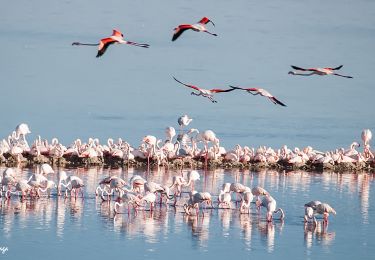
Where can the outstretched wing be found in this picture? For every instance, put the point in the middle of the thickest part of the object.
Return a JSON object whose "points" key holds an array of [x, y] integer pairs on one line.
{"points": [[103, 46], [298, 68], [247, 89], [205, 20], [187, 85], [117, 33], [337, 68], [179, 30], [217, 90], [276, 101]]}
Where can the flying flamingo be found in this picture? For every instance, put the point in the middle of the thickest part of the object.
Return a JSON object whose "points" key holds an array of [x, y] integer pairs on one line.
{"points": [[263, 93], [184, 121], [208, 93], [318, 71], [198, 27], [116, 37]]}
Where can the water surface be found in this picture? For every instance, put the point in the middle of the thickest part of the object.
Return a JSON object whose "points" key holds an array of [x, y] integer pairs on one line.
{"points": [[87, 227]]}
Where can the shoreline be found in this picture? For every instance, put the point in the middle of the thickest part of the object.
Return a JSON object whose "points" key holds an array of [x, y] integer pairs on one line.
{"points": [[28, 160]]}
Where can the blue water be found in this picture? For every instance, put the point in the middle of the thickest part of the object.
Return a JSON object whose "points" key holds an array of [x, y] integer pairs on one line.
{"points": [[64, 91], [88, 228]]}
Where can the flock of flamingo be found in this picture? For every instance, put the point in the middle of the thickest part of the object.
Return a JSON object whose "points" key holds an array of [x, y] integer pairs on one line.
{"points": [[118, 38], [183, 149], [139, 193]]}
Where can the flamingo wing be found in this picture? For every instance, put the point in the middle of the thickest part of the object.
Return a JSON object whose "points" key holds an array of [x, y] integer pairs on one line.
{"points": [[117, 33], [337, 68], [276, 101], [205, 20], [187, 85], [103, 46], [217, 90], [247, 89], [299, 68], [179, 30]]}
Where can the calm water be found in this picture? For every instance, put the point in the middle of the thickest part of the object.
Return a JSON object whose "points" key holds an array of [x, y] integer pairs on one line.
{"points": [[87, 227], [64, 91]]}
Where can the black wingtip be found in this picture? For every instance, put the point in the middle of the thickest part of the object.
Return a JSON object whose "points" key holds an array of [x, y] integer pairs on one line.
{"points": [[339, 67]]}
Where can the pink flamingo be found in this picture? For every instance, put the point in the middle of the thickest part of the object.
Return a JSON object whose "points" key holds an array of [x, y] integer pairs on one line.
{"points": [[263, 93], [198, 27], [208, 93], [318, 71], [116, 37]]}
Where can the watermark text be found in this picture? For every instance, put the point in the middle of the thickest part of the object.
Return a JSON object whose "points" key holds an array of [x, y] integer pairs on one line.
{"points": [[3, 249]]}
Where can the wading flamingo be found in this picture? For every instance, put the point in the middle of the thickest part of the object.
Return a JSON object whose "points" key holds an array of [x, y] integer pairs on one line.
{"points": [[263, 93], [198, 27], [208, 93], [195, 199], [270, 204], [318, 71], [116, 37], [324, 209]]}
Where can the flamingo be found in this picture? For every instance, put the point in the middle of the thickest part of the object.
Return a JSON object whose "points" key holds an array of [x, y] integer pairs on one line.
{"points": [[324, 209], [116, 37], [263, 93], [270, 203], [224, 199], [195, 199], [198, 27], [192, 177], [208, 93], [21, 186], [150, 199], [170, 132], [366, 136], [177, 183], [157, 188], [129, 198], [318, 71], [22, 130], [208, 136], [246, 200], [115, 184], [184, 121]]}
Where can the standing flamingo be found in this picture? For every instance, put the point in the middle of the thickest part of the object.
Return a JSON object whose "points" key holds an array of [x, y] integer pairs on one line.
{"points": [[270, 204], [116, 37], [224, 199], [366, 136], [198, 27], [195, 199], [170, 132], [324, 209], [192, 177], [263, 93], [318, 71], [208, 93]]}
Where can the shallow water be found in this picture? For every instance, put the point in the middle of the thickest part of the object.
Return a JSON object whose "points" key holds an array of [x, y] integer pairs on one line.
{"points": [[87, 227], [64, 91]]}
